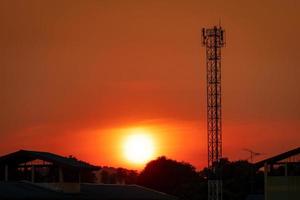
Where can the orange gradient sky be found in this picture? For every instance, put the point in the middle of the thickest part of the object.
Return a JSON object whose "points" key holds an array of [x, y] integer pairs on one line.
{"points": [[75, 74]]}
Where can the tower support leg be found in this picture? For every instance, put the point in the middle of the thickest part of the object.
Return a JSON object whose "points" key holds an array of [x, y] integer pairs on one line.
{"points": [[215, 190]]}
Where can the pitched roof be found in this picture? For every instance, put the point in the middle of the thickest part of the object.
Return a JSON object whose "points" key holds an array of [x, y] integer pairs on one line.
{"points": [[278, 157], [25, 156], [22, 190], [123, 192], [25, 190]]}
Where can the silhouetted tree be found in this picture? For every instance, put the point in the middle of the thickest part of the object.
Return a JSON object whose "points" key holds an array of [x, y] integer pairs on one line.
{"points": [[182, 180], [126, 176], [170, 176], [131, 177], [119, 175], [239, 179], [85, 175], [104, 176], [112, 178]]}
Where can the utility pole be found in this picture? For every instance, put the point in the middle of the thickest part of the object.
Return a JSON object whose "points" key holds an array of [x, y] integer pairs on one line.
{"points": [[213, 39]]}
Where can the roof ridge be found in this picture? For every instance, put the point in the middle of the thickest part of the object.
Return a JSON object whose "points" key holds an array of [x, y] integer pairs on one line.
{"points": [[279, 157], [51, 157]]}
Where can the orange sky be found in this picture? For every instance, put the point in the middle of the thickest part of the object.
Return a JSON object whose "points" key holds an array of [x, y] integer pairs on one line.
{"points": [[75, 73]]}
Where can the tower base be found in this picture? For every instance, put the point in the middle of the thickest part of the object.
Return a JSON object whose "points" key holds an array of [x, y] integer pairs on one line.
{"points": [[215, 190]]}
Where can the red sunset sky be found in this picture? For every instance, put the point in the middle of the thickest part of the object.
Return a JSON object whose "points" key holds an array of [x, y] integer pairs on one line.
{"points": [[75, 75]]}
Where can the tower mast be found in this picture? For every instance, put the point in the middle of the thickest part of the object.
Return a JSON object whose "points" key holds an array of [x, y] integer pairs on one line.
{"points": [[213, 40]]}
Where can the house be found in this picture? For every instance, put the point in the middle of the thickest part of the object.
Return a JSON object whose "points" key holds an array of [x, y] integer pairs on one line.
{"points": [[282, 175]]}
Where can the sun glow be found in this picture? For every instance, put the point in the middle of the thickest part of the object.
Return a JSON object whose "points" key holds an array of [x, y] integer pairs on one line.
{"points": [[138, 147]]}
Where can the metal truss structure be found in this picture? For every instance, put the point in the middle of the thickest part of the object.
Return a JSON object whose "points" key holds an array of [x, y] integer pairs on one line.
{"points": [[213, 39]]}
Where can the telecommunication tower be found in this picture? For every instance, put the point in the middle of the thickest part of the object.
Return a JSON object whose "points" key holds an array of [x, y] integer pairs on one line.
{"points": [[213, 39]]}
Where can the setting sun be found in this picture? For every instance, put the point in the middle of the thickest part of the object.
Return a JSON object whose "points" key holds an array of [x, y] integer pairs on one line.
{"points": [[138, 148]]}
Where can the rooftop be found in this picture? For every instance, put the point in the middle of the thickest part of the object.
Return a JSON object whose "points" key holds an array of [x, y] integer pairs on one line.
{"points": [[25, 190], [278, 157], [22, 156]]}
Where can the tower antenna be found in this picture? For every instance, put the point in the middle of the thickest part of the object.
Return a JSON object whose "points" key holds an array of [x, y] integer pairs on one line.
{"points": [[214, 39], [252, 154]]}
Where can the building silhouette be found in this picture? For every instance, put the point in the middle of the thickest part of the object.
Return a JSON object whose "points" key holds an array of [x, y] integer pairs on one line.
{"points": [[43, 175]]}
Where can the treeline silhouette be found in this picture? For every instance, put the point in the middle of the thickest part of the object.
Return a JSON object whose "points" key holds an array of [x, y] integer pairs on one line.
{"points": [[181, 179], [110, 175]]}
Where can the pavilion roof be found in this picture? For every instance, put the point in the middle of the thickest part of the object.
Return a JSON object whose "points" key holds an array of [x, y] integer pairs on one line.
{"points": [[22, 156]]}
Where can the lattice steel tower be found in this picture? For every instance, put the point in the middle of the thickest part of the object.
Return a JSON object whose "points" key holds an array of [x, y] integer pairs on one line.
{"points": [[213, 39]]}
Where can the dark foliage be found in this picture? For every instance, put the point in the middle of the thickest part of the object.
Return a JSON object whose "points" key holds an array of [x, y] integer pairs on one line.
{"points": [[86, 176], [239, 179], [170, 176], [129, 176], [118, 175], [182, 180]]}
